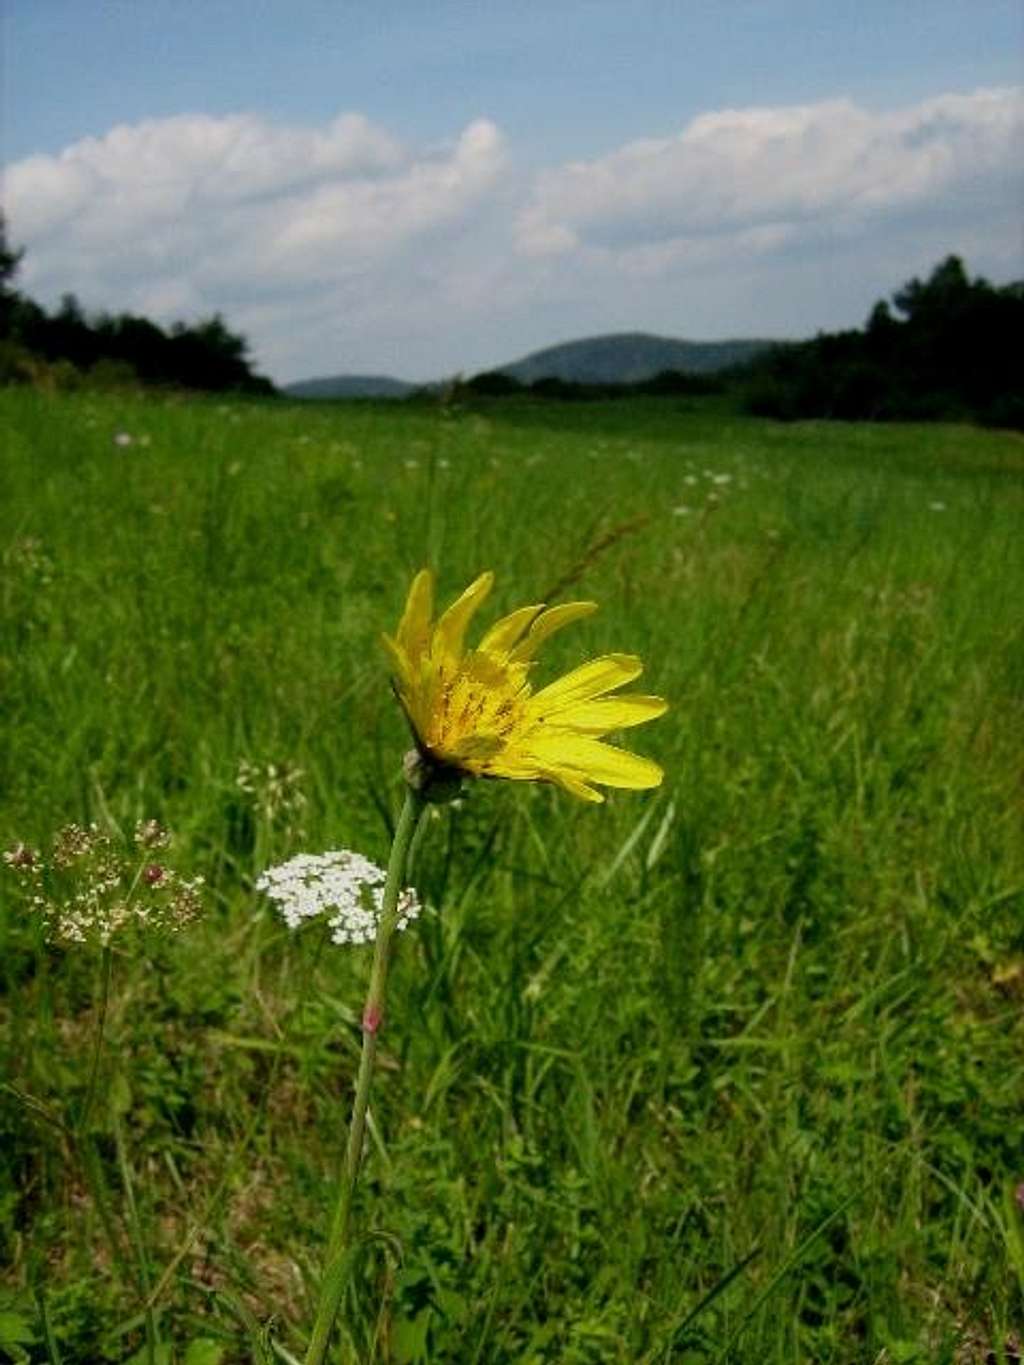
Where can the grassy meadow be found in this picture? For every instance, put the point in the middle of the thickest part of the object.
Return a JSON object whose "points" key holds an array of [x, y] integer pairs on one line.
{"points": [[732, 1071]]}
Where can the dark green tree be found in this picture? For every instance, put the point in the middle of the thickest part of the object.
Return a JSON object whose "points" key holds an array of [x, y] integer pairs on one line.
{"points": [[951, 352], [10, 260], [946, 289]]}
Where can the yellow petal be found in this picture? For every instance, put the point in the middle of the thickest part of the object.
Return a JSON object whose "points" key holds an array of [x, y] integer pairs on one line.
{"points": [[524, 766], [590, 680], [611, 713], [547, 623], [475, 750], [399, 660], [505, 633], [451, 627], [580, 757], [512, 762], [575, 787], [413, 632]]}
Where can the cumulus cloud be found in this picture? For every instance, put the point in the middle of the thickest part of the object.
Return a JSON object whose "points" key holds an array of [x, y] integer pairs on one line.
{"points": [[758, 179], [185, 214], [139, 175], [341, 247]]}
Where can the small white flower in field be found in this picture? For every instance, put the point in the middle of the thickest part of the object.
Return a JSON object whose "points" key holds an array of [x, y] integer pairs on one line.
{"points": [[92, 886], [274, 789], [681, 511], [937, 506], [123, 438], [151, 834], [344, 886], [690, 479], [721, 479], [22, 858], [444, 464]]}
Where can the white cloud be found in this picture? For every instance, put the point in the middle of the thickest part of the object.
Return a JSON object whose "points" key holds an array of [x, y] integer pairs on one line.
{"points": [[759, 178], [149, 170], [342, 248], [193, 213]]}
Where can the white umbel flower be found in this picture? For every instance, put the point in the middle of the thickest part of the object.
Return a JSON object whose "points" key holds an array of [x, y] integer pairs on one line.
{"points": [[344, 886]]}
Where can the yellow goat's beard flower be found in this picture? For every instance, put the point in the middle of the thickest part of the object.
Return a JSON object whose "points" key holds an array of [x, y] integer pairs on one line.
{"points": [[473, 710]]}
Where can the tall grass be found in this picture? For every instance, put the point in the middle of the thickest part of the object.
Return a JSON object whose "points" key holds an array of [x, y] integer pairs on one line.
{"points": [[728, 1073]]}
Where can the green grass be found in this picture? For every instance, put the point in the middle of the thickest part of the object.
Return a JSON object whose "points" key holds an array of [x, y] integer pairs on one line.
{"points": [[727, 1072]]}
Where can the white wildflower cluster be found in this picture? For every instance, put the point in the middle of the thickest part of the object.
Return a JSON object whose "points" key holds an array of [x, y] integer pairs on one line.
{"points": [[344, 886], [719, 481], [91, 886]]}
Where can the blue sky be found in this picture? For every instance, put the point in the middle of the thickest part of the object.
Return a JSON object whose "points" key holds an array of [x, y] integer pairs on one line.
{"points": [[418, 188]]}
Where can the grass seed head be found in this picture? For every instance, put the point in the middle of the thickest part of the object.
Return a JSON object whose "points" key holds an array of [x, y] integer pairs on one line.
{"points": [[275, 790]]}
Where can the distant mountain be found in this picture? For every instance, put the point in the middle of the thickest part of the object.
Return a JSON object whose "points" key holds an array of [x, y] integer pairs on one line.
{"points": [[350, 386], [629, 358], [620, 358]]}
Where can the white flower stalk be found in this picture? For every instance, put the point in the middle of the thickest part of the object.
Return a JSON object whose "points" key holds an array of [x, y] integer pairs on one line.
{"points": [[344, 886]]}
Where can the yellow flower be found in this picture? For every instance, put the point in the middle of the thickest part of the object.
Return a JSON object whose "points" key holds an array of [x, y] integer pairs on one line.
{"points": [[474, 710]]}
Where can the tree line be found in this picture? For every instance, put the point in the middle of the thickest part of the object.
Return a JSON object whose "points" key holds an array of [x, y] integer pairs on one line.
{"points": [[67, 347], [945, 349]]}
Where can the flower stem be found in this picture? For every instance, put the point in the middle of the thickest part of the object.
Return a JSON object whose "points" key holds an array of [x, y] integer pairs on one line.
{"points": [[338, 1259], [82, 1140], [141, 1260], [102, 1006]]}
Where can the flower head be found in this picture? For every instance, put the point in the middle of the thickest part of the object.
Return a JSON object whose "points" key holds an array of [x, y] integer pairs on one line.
{"points": [[344, 886], [474, 711], [93, 886]]}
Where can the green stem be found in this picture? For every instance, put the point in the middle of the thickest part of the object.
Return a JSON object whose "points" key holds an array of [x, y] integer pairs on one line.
{"points": [[336, 1269], [103, 1004], [141, 1260], [82, 1140], [49, 1340], [92, 1168]]}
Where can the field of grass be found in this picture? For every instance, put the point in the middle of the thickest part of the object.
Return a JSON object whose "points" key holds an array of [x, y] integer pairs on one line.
{"points": [[732, 1071]]}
